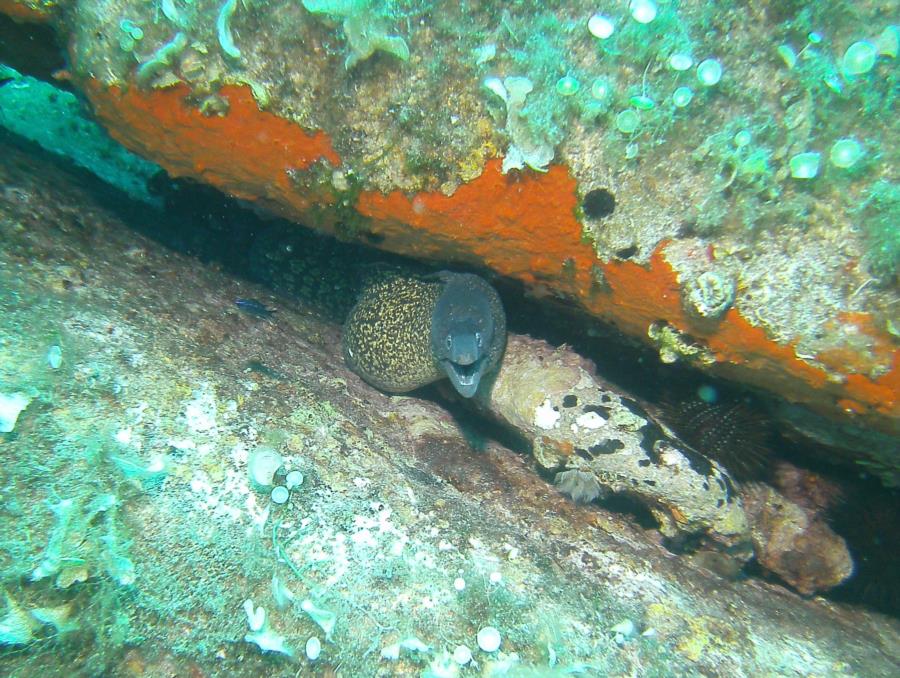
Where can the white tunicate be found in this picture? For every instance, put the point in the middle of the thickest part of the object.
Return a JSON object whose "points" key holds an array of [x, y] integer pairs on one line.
{"points": [[859, 58], [54, 357], [462, 655], [293, 480], [680, 62], [313, 648], [709, 72], [391, 652], [601, 26], [626, 627], [489, 639], [601, 89], [263, 465], [846, 153], [280, 495], [495, 85], [643, 11], [546, 416], [682, 96], [805, 165], [485, 53], [459, 584], [11, 407], [256, 616], [590, 421]]}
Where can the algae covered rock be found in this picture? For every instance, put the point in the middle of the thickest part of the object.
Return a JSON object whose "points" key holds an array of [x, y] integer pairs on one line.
{"points": [[745, 153], [409, 531]]}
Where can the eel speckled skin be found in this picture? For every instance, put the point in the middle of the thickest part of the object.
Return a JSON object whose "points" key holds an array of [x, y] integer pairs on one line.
{"points": [[407, 331]]}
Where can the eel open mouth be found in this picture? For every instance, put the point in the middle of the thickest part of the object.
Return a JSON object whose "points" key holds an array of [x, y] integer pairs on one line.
{"points": [[465, 377]]}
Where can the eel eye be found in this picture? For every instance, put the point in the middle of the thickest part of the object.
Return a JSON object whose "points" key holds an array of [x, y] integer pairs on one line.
{"points": [[449, 342], [478, 339]]}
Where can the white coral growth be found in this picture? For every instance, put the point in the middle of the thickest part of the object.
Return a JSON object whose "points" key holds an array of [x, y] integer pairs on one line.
{"points": [[581, 486]]}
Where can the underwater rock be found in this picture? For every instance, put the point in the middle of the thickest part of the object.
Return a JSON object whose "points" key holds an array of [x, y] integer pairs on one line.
{"points": [[794, 542], [406, 525], [413, 160], [709, 295]]}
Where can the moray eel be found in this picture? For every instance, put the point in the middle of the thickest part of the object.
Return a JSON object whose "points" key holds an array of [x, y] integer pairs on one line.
{"points": [[407, 331], [468, 330]]}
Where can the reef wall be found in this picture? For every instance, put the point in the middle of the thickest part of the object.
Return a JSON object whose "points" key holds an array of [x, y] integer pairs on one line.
{"points": [[714, 179], [142, 536]]}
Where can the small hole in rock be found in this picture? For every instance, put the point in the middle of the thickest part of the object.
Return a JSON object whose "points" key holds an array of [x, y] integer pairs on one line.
{"points": [[626, 252], [599, 203]]}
